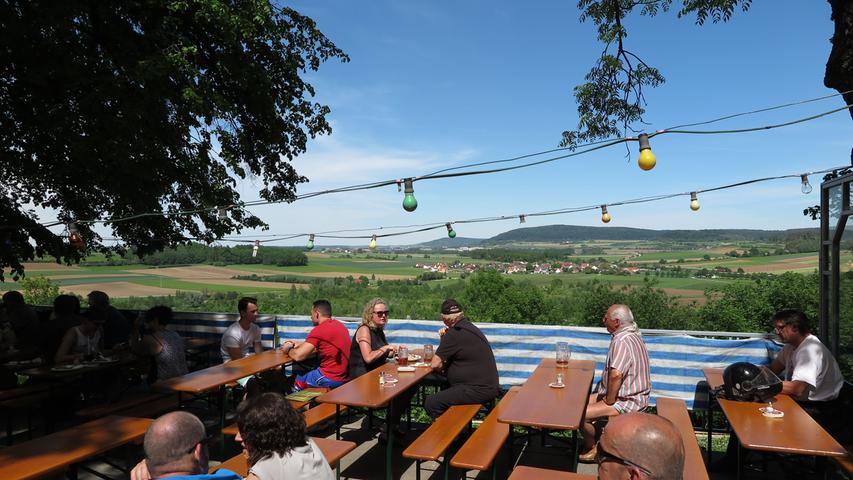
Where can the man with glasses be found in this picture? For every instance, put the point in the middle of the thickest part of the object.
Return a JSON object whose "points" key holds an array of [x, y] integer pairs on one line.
{"points": [[175, 448], [330, 339], [642, 446], [811, 374], [626, 379]]}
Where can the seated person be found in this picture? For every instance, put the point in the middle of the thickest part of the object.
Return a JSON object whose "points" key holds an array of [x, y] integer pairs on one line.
{"points": [[150, 338], [467, 358], [370, 349], [23, 319], [330, 339], [65, 316], [274, 441], [626, 380], [176, 447], [242, 337], [84, 341], [116, 329], [811, 374]]}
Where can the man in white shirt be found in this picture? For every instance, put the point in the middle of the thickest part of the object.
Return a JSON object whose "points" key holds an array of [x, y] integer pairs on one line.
{"points": [[811, 374], [243, 337]]}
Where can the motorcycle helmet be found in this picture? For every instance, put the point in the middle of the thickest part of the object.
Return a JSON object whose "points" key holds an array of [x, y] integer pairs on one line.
{"points": [[747, 382]]}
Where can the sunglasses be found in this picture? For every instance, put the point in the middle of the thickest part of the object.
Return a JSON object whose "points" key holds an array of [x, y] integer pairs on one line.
{"points": [[383, 313], [603, 455]]}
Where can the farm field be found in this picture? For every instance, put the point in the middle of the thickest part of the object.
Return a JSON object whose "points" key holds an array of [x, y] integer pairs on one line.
{"points": [[143, 280]]}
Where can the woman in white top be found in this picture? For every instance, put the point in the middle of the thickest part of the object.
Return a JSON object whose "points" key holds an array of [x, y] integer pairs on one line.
{"points": [[274, 442], [85, 340]]}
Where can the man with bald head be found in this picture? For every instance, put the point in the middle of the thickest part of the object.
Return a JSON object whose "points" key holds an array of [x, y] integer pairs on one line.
{"points": [[626, 379], [640, 446], [175, 448]]}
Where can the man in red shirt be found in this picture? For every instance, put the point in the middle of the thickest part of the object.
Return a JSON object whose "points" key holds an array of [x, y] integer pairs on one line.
{"points": [[331, 340]]}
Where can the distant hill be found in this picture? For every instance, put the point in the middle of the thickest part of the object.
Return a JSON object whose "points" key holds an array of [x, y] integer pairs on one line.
{"points": [[457, 242], [576, 233]]}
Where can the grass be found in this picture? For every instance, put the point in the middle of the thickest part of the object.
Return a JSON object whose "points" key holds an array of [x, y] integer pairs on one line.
{"points": [[171, 283]]}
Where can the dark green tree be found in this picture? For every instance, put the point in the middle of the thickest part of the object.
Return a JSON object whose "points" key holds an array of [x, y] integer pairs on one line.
{"points": [[611, 100], [117, 109]]}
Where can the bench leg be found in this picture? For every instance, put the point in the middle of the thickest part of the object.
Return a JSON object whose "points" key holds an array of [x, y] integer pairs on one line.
{"points": [[418, 470], [337, 421], [388, 448]]}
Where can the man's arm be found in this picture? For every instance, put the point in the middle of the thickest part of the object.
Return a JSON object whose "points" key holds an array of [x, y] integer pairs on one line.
{"points": [[777, 366], [437, 363], [614, 383], [234, 352], [259, 347], [795, 388], [297, 352]]}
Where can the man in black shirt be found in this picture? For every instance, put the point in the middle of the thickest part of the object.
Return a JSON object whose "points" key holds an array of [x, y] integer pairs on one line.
{"points": [[467, 359]]}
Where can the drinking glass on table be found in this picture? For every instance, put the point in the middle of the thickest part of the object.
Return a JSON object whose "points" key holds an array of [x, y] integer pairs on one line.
{"points": [[564, 353], [402, 356], [428, 353]]}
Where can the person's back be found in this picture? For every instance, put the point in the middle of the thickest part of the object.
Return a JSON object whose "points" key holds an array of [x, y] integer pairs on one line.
{"points": [[172, 358], [333, 347], [22, 318], [117, 327]]}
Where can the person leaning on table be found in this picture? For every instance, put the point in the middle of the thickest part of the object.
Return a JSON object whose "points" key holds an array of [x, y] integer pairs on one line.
{"points": [[467, 358]]}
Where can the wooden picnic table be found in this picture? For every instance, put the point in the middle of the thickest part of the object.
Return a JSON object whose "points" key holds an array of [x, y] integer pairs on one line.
{"points": [[366, 392], [714, 376], [796, 432], [218, 376], [210, 378], [67, 370], [537, 405], [540, 406], [54, 453]]}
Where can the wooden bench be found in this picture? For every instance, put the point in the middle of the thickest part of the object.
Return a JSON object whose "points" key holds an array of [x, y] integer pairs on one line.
{"points": [[333, 450], [56, 452], [529, 473], [433, 442], [675, 410], [846, 462], [24, 397], [480, 450], [313, 417], [128, 401]]}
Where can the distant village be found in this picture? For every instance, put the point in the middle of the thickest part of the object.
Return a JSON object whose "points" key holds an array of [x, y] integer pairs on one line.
{"points": [[529, 267]]}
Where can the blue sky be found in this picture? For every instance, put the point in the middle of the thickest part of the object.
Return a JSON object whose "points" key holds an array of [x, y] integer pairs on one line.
{"points": [[440, 83]]}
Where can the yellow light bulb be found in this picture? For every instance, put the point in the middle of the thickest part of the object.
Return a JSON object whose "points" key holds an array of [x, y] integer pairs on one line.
{"points": [[647, 159], [372, 244], [605, 216]]}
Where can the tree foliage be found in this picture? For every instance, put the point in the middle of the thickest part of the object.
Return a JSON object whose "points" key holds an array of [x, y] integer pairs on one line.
{"points": [[611, 101], [115, 109]]}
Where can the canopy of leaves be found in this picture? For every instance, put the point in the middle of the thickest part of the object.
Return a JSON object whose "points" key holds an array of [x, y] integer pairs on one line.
{"points": [[113, 109], [611, 101]]}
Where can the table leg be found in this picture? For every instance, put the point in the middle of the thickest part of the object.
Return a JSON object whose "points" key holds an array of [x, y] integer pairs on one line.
{"points": [[221, 407], [390, 445], [576, 450], [739, 459], [337, 421]]}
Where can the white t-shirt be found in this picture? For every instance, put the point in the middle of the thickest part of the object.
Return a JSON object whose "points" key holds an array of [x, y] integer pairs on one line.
{"points": [[236, 337], [813, 364]]}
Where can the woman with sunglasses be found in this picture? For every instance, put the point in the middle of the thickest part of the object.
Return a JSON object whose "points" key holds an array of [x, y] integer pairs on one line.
{"points": [[370, 349]]}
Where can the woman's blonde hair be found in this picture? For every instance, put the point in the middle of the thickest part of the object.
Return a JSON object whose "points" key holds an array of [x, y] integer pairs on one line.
{"points": [[367, 313]]}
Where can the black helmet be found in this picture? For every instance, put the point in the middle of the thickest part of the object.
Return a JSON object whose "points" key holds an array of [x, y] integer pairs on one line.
{"points": [[750, 383]]}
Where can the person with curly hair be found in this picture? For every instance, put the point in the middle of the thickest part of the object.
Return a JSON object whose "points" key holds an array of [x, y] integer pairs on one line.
{"points": [[369, 349], [274, 442]]}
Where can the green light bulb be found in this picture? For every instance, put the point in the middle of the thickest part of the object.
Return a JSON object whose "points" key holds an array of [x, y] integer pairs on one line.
{"points": [[310, 245], [409, 202], [450, 232]]}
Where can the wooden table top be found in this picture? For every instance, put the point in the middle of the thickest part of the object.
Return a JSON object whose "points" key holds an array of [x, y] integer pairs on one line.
{"points": [[53, 453], [714, 376], [49, 372], [214, 377], [522, 472], [538, 405], [333, 451], [796, 432], [365, 390], [201, 343]]}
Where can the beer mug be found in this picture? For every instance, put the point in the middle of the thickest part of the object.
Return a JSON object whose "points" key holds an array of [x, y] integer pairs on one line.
{"points": [[564, 353]]}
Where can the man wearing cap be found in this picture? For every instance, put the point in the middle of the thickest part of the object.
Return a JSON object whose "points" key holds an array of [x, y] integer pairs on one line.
{"points": [[466, 357]]}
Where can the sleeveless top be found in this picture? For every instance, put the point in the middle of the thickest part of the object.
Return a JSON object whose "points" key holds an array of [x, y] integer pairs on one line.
{"points": [[357, 366], [172, 359], [83, 344], [302, 463]]}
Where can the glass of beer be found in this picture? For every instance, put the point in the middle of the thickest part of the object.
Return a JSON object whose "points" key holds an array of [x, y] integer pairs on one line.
{"points": [[402, 356], [428, 353], [564, 353]]}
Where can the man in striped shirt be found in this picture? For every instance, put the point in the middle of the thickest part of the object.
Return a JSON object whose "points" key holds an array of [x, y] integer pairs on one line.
{"points": [[625, 382]]}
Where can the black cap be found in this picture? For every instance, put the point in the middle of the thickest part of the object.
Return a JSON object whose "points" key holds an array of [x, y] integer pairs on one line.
{"points": [[450, 306]]}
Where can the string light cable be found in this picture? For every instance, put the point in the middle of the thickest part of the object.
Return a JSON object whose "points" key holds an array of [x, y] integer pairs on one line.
{"points": [[453, 172]]}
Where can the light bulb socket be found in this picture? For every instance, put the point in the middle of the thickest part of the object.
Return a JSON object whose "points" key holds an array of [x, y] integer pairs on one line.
{"points": [[522, 218], [644, 142], [408, 187]]}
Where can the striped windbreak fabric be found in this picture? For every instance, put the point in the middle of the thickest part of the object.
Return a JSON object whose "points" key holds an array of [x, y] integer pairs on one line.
{"points": [[676, 361]]}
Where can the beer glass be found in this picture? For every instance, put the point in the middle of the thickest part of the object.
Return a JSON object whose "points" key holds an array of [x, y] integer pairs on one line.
{"points": [[563, 354], [402, 356]]}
